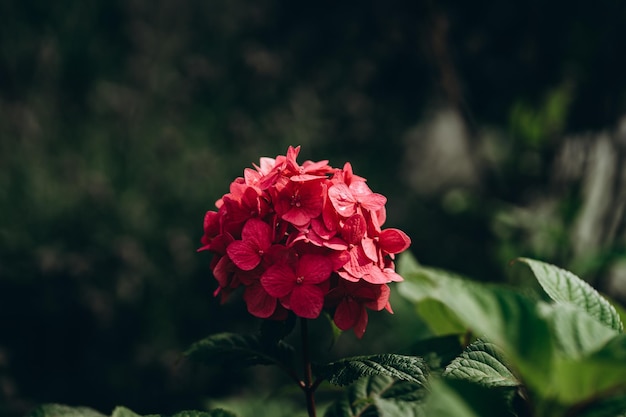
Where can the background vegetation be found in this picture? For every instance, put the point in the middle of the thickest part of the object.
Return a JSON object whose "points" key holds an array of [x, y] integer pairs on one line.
{"points": [[495, 129]]}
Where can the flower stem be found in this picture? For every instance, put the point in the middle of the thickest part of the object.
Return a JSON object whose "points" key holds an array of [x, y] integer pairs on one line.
{"points": [[309, 387]]}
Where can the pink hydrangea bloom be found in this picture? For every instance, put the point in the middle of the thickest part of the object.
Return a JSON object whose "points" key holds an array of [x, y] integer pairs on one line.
{"points": [[303, 239]]}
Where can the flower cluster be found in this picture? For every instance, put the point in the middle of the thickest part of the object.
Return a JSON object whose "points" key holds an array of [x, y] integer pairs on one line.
{"points": [[304, 238]]}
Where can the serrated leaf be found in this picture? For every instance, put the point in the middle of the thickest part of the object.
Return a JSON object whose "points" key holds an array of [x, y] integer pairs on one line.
{"points": [[243, 349], [60, 410], [379, 396], [483, 363], [502, 316], [564, 287], [564, 364], [401, 367]]}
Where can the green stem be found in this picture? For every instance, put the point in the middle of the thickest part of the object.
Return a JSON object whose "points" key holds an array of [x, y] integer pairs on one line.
{"points": [[309, 387]]}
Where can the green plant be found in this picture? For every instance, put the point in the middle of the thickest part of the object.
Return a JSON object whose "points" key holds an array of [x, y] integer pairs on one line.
{"points": [[491, 350]]}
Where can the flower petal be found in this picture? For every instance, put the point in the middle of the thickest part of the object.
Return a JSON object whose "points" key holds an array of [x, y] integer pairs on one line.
{"points": [[382, 300], [347, 313], [278, 280], [314, 268], [394, 241], [259, 302], [306, 177], [370, 249], [372, 201], [354, 228], [244, 255], [258, 233], [307, 301], [376, 276], [223, 271], [361, 325], [359, 264], [342, 199]]}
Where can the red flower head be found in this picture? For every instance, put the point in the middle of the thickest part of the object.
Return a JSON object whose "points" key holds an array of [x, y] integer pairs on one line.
{"points": [[301, 239]]}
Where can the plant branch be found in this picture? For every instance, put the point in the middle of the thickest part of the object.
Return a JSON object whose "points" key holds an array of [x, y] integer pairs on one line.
{"points": [[309, 387]]}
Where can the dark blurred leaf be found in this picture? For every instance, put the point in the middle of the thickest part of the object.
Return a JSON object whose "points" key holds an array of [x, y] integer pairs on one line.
{"points": [[125, 412], [273, 331], [609, 407], [59, 410], [584, 379], [438, 352], [212, 413], [239, 349], [464, 399]]}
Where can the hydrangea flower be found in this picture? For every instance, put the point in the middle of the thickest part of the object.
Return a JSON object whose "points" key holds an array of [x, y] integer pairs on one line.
{"points": [[304, 239]]}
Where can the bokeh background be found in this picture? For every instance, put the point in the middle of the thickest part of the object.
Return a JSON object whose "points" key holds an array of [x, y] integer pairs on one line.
{"points": [[496, 130]]}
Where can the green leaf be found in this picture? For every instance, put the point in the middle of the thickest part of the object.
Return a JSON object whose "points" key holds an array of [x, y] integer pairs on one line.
{"points": [[576, 333], [614, 350], [218, 412], [346, 371], [608, 407], [379, 396], [504, 317], [60, 410], [239, 348], [123, 412], [440, 319], [592, 376], [560, 352], [457, 398], [407, 263], [260, 405], [482, 363], [564, 287]]}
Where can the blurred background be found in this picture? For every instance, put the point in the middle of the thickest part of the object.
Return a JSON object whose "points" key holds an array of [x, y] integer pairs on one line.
{"points": [[496, 130]]}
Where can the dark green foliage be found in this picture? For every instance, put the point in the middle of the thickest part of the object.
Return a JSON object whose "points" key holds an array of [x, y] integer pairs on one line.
{"points": [[438, 352], [404, 368], [561, 352], [609, 407], [379, 395], [459, 398], [121, 123], [56, 410], [238, 349], [59, 410]]}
